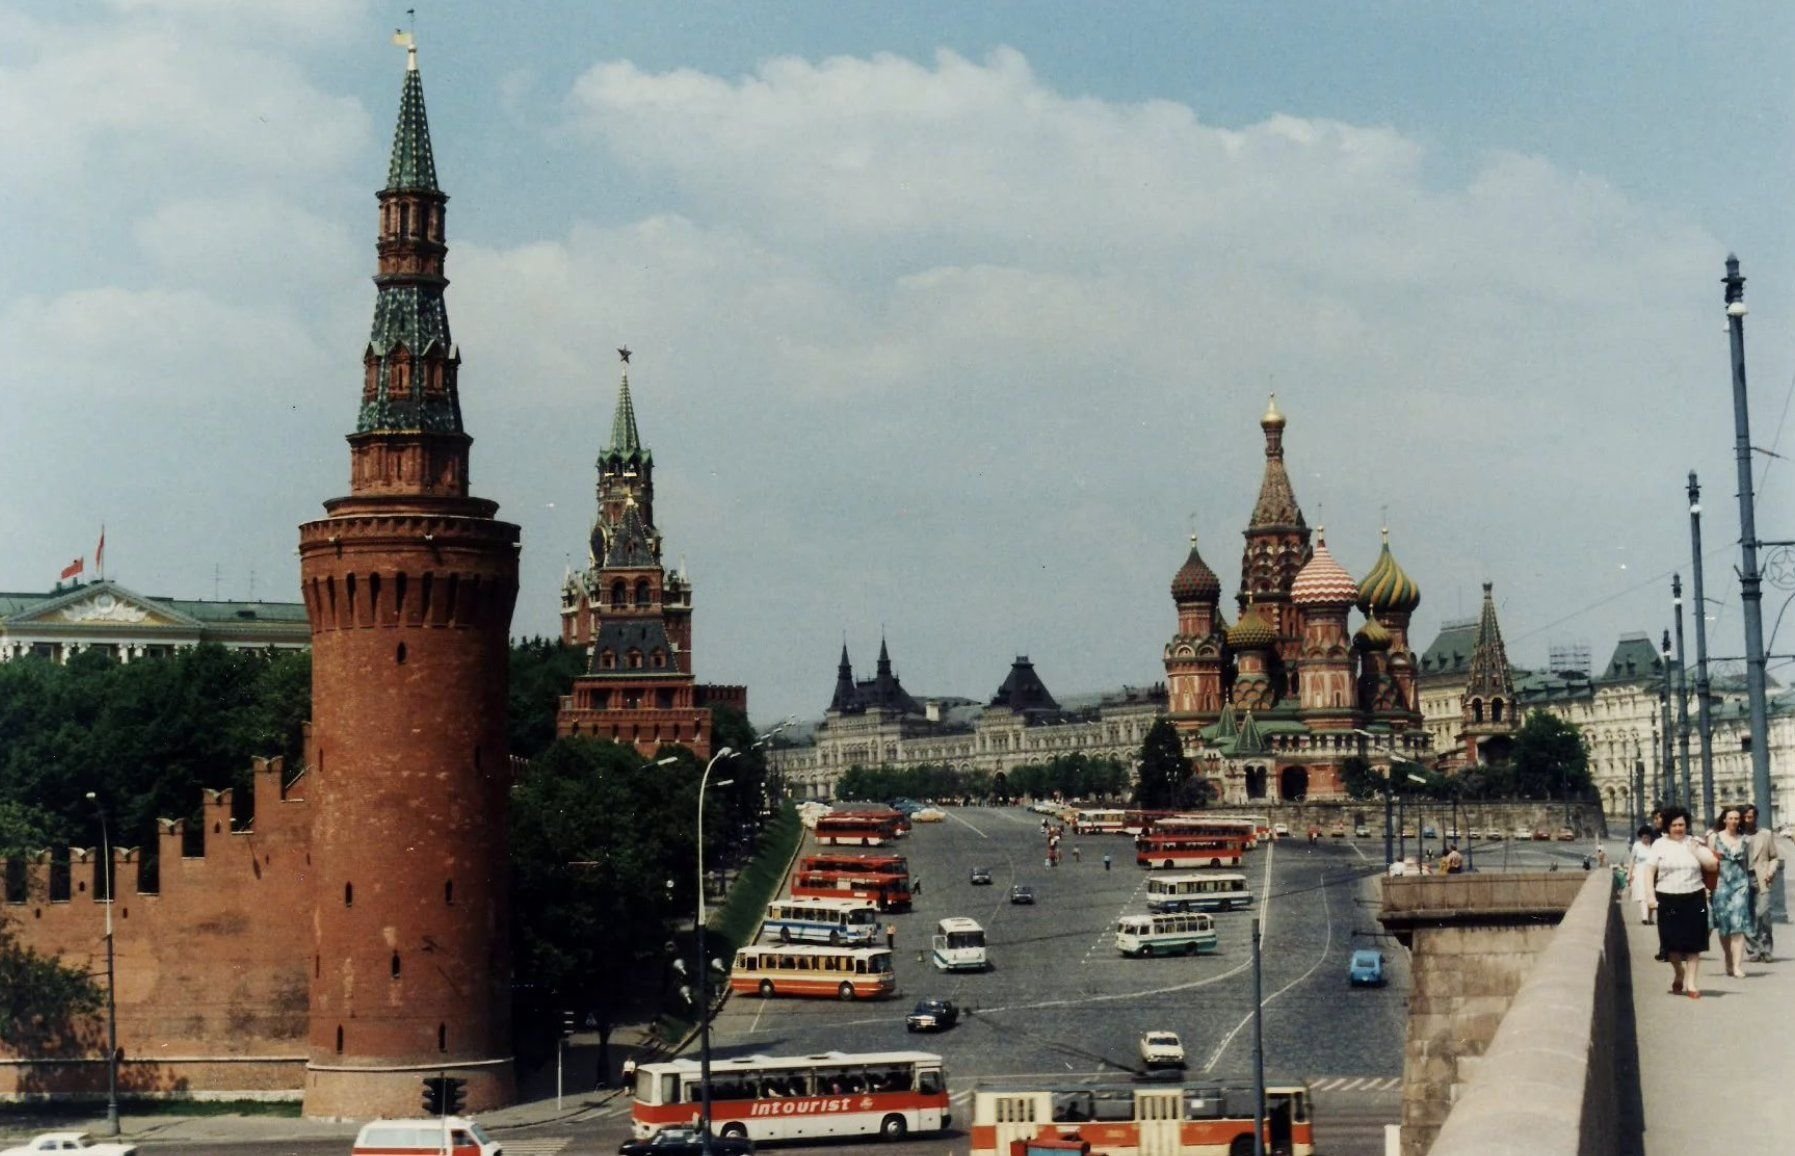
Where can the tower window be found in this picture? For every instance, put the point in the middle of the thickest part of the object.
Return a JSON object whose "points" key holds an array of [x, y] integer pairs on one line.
{"points": [[442, 1037], [395, 965], [404, 220], [339, 1039], [348, 895], [399, 655], [449, 893]]}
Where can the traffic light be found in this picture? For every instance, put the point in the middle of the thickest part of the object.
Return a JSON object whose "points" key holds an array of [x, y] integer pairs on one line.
{"points": [[457, 1095], [444, 1096], [433, 1095]]}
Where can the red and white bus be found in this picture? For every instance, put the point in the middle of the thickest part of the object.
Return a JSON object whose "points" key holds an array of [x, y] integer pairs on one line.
{"points": [[1130, 1120], [1099, 821], [888, 1094], [805, 969], [883, 880], [857, 829], [1215, 826], [1180, 850]]}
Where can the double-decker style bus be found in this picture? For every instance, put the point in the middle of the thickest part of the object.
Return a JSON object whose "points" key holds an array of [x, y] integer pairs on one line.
{"points": [[1099, 821], [1261, 824], [1215, 826], [811, 920], [959, 945], [806, 969], [1205, 892], [1170, 933], [1171, 850], [857, 828], [1131, 1120], [882, 880], [765, 1098]]}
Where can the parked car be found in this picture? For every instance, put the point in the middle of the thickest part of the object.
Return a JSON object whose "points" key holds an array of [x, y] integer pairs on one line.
{"points": [[1566, 835], [1428, 832], [685, 1142], [932, 1015], [1366, 969], [1022, 894], [929, 815], [1540, 834], [1361, 832], [1493, 834], [1280, 830], [1337, 831], [1162, 1050], [981, 877], [71, 1142]]}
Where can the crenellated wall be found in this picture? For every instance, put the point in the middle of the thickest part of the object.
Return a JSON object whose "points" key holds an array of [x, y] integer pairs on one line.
{"points": [[212, 967]]}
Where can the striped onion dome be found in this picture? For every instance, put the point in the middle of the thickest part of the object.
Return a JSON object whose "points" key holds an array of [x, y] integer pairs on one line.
{"points": [[1251, 632], [1323, 582], [1387, 587], [1373, 635], [1195, 581]]}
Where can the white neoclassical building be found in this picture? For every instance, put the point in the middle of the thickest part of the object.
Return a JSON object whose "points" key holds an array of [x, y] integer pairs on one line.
{"points": [[108, 618]]}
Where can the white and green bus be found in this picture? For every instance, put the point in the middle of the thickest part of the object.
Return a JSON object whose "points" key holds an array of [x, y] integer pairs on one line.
{"points": [[1170, 933], [959, 945], [1206, 892]]}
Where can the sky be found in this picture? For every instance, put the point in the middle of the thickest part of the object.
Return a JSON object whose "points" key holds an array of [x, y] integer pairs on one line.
{"points": [[951, 323]]}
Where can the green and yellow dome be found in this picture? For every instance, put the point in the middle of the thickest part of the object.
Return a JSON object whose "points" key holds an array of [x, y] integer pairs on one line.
{"points": [[1251, 632], [1387, 588]]}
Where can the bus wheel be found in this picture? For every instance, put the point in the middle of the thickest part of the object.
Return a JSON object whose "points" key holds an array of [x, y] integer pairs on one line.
{"points": [[834, 938], [1215, 862], [1146, 951], [740, 1132], [846, 991], [1190, 948], [1242, 1145], [766, 989], [1168, 864], [893, 1127]]}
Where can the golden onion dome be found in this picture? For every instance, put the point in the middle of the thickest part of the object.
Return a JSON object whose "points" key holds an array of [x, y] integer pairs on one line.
{"points": [[1251, 632], [1274, 418], [1373, 635], [1387, 587]]}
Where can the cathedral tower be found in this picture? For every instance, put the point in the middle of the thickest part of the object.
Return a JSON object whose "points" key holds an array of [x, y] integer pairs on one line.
{"points": [[409, 584], [1193, 658], [1277, 548], [1488, 719], [1323, 594]]}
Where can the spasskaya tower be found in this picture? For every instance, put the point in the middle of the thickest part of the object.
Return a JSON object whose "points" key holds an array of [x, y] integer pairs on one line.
{"points": [[409, 584]]}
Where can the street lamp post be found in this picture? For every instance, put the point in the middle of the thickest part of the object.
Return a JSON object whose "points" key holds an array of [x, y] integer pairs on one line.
{"points": [[704, 985], [111, 977]]}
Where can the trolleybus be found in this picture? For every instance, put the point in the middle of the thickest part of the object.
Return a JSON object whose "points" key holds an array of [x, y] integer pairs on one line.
{"points": [[1204, 892], [889, 1094], [1134, 1120], [806, 969]]}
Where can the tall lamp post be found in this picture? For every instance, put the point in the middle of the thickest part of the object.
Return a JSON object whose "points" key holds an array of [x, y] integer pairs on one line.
{"points": [[704, 984], [111, 977]]}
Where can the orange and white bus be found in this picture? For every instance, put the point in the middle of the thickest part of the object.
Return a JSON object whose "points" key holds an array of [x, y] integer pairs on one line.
{"points": [[813, 970], [882, 880], [857, 829], [1215, 826], [1131, 1120], [1180, 850], [1099, 821], [888, 1094]]}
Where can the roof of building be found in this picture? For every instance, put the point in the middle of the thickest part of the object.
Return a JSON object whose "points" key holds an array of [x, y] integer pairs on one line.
{"points": [[626, 440], [1195, 581], [1373, 635], [1451, 648], [622, 635], [19, 606], [1323, 581], [1388, 587], [1276, 507], [1490, 676], [1022, 689], [1634, 657], [1252, 632], [413, 167]]}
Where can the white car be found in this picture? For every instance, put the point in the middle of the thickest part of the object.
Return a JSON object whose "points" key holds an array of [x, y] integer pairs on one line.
{"points": [[1162, 1050], [70, 1142], [1280, 831], [929, 815]]}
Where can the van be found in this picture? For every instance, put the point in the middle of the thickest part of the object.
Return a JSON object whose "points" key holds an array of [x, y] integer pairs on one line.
{"points": [[424, 1137]]}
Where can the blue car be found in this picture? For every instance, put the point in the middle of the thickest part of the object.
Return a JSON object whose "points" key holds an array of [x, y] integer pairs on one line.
{"points": [[1366, 969]]}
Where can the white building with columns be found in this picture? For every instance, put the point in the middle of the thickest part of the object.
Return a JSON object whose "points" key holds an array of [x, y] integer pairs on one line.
{"points": [[108, 618]]}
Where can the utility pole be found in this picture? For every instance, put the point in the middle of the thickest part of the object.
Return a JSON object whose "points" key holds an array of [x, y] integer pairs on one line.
{"points": [[1258, 1050], [1682, 693], [1704, 721], [1667, 763], [1751, 593], [112, 1124]]}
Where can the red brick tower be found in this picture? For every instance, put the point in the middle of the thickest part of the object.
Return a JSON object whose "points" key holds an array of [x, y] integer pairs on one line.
{"points": [[1277, 547], [409, 584]]}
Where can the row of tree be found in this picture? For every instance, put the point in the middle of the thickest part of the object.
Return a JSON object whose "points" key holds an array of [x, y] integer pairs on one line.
{"points": [[1064, 776], [1548, 760]]}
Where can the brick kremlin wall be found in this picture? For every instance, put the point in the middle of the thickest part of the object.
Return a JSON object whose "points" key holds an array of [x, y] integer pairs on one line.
{"points": [[212, 968]]}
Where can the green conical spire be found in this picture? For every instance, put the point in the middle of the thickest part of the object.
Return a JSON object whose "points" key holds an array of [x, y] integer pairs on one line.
{"points": [[413, 169], [625, 439]]}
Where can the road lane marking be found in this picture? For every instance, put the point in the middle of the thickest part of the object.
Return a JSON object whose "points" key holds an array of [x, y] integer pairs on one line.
{"points": [[1327, 945], [960, 819]]}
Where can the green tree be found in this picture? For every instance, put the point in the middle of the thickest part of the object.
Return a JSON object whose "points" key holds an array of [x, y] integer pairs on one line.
{"points": [[1164, 770], [1550, 759], [42, 1002], [542, 671]]}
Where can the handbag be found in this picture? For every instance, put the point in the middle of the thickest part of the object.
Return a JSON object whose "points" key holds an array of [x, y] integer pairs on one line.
{"points": [[1710, 875]]}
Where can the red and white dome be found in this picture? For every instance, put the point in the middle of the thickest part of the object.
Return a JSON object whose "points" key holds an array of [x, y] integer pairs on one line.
{"points": [[1323, 582]]}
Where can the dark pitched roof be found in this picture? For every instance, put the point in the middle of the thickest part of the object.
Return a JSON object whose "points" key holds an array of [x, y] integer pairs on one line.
{"points": [[413, 168], [1451, 649], [620, 636], [1023, 691]]}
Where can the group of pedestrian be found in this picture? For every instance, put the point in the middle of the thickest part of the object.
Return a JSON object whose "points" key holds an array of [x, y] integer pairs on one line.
{"points": [[1694, 887]]}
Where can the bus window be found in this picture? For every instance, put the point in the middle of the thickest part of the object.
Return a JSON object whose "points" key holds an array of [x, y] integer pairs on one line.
{"points": [[669, 1089], [928, 1083]]}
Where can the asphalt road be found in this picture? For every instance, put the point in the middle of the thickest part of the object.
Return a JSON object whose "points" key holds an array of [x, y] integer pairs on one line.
{"points": [[1062, 1006]]}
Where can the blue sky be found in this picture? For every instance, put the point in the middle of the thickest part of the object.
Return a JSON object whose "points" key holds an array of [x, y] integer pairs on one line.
{"points": [[952, 321]]}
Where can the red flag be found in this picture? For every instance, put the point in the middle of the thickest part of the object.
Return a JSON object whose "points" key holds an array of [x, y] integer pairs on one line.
{"points": [[73, 569], [99, 554]]}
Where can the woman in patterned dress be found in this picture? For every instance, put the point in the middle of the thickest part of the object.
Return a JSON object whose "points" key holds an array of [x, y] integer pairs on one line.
{"points": [[1731, 902]]}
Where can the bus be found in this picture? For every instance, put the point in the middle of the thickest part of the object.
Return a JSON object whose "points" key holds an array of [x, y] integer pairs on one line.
{"points": [[1099, 821], [1214, 826], [832, 921], [1205, 892], [766, 1098], [1180, 850], [1136, 1120], [882, 880], [959, 945], [857, 829], [806, 969], [1171, 933], [1261, 825]]}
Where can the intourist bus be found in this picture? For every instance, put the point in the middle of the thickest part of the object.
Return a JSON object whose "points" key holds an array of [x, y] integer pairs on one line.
{"points": [[805, 969], [1182, 933], [856, 830], [1122, 1120], [889, 1094], [1206, 892], [959, 945], [1168, 851], [833, 921], [883, 880]]}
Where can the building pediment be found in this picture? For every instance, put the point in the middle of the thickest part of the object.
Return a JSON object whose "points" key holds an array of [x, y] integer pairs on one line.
{"points": [[104, 604]]}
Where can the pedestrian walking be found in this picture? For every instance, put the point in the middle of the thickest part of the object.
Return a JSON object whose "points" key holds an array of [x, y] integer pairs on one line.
{"points": [[1077, 853], [1642, 850], [1764, 863], [1730, 904], [1106, 860], [1680, 899], [891, 937]]}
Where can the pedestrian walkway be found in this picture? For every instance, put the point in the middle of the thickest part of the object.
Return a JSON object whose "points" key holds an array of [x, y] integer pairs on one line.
{"points": [[1714, 1072]]}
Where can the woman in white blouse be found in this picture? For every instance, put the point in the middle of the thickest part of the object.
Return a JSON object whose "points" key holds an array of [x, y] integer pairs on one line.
{"points": [[1674, 880]]}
